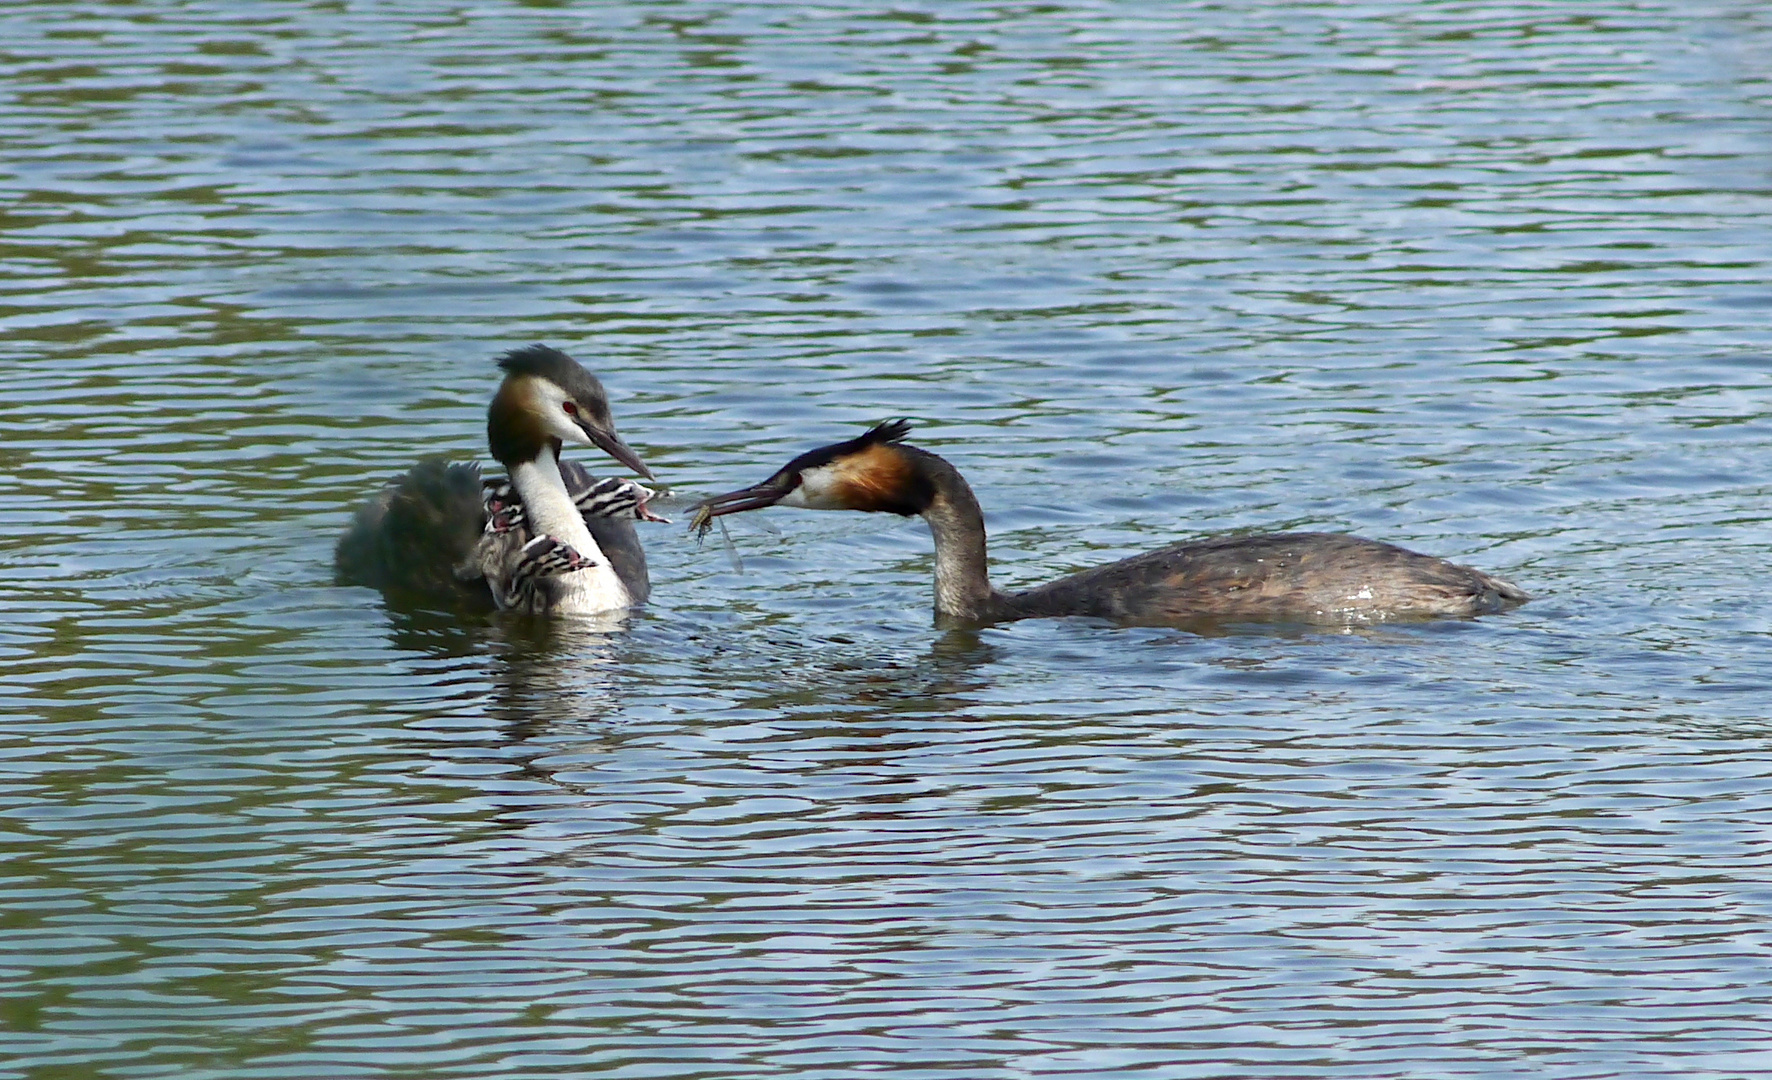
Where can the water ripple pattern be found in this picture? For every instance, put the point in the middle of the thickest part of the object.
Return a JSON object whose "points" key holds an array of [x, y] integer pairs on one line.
{"points": [[1488, 280]]}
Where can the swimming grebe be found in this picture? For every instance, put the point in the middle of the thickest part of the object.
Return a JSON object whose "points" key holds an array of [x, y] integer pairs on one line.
{"points": [[551, 538], [1314, 577]]}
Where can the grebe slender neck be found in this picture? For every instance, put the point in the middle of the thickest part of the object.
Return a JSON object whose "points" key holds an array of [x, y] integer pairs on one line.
{"points": [[551, 512], [962, 569], [1316, 577]]}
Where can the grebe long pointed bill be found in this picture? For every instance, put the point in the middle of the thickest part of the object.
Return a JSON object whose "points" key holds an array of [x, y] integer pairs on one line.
{"points": [[607, 441], [863, 473], [755, 497]]}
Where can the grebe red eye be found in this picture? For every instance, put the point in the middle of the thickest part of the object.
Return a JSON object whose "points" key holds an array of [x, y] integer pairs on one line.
{"points": [[571, 408]]}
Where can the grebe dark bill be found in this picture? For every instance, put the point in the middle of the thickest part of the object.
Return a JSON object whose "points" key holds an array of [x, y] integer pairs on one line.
{"points": [[1311, 577], [550, 539]]}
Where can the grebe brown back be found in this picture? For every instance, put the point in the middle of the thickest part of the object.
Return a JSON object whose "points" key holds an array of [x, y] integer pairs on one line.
{"points": [[439, 532], [1313, 577]]}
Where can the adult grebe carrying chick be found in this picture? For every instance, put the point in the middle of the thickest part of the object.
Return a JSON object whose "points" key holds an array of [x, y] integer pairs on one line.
{"points": [[550, 539], [1306, 577]]}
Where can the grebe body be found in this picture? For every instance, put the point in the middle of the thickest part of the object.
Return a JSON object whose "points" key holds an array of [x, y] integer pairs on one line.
{"points": [[1311, 577], [550, 538]]}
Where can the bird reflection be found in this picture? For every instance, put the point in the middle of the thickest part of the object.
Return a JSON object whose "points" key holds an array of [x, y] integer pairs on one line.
{"points": [[548, 672], [842, 678], [542, 671]]}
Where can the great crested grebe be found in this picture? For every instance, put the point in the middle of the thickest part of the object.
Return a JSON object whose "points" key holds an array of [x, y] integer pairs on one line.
{"points": [[1311, 577], [549, 539]]}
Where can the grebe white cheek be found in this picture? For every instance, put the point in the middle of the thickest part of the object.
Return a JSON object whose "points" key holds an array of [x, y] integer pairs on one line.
{"points": [[819, 489]]}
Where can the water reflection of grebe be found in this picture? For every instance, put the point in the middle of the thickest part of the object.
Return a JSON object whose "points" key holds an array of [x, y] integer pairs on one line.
{"points": [[550, 539], [1283, 576]]}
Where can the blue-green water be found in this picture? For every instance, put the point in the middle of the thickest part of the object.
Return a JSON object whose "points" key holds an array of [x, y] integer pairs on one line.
{"points": [[1490, 281]]}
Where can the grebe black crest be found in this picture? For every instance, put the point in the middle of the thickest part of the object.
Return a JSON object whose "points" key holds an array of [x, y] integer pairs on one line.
{"points": [[1311, 577], [440, 532]]}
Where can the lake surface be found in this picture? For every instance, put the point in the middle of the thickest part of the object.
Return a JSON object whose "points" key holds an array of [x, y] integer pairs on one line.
{"points": [[1490, 281]]}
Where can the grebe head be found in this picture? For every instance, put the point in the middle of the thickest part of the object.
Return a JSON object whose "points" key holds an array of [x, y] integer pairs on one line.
{"points": [[547, 398], [869, 472]]}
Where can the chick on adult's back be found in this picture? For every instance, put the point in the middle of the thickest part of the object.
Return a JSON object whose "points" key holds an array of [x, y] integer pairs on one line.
{"points": [[1282, 576]]}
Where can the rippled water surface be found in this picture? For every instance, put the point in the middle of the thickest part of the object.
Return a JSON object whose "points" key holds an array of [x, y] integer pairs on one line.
{"points": [[1490, 281]]}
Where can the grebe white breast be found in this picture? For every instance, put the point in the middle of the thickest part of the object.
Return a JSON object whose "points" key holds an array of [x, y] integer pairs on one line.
{"points": [[1309, 577], [550, 538]]}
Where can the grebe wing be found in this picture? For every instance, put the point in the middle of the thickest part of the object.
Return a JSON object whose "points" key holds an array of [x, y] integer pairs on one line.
{"points": [[415, 532]]}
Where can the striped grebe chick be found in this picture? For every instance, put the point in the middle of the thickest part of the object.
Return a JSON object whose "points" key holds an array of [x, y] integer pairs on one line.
{"points": [[550, 538], [1308, 577]]}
